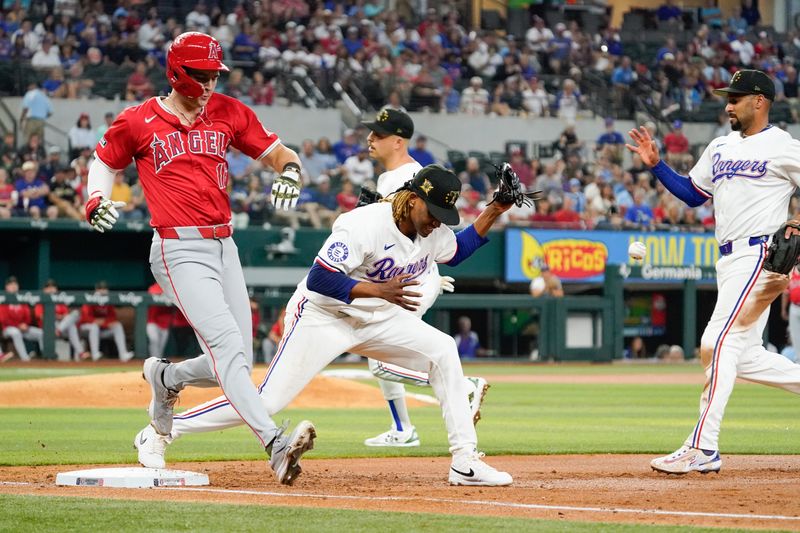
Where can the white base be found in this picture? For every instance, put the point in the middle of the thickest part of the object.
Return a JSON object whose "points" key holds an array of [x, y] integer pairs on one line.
{"points": [[131, 478]]}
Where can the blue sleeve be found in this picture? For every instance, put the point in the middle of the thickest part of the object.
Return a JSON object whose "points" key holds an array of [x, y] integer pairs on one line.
{"points": [[330, 283], [680, 186], [467, 241]]}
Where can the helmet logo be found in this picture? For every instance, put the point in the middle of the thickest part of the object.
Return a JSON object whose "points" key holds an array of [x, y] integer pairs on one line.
{"points": [[214, 51]]}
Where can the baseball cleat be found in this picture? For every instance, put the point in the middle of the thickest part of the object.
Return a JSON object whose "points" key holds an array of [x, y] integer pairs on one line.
{"points": [[687, 459], [467, 468], [151, 447], [395, 439], [478, 388], [163, 398], [286, 452], [8, 356]]}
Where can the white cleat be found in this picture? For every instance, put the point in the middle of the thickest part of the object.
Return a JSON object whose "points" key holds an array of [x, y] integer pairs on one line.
{"points": [[687, 459], [396, 439], [477, 392], [151, 447], [467, 468], [163, 399], [287, 451]]}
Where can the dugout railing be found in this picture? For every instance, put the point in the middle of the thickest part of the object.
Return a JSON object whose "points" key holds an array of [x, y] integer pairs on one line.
{"points": [[569, 328]]}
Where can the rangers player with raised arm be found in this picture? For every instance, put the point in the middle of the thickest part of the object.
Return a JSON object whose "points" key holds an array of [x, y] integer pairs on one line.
{"points": [[178, 144], [751, 173], [388, 144], [360, 296]]}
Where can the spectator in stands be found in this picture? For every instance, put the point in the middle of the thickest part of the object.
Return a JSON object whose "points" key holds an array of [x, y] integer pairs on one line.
{"points": [[64, 201], [550, 180], [320, 205], [198, 19], [568, 101], [325, 149], [568, 142], [722, 127], [577, 195], [711, 14], [257, 201], [261, 92], [636, 349], [81, 136], [108, 119], [347, 147], [544, 213], [669, 12], [121, 192], [36, 108], [475, 178], [451, 98], [676, 145], [521, 167], [150, 35], [472, 206], [16, 324], [357, 168], [346, 199], [239, 165], [566, 214], [8, 195], [420, 151], [623, 78], [639, 215], [66, 322], [538, 36], [100, 322], [743, 48], [535, 99], [46, 57], [139, 87], [469, 346], [611, 143], [159, 320], [237, 85], [31, 192], [475, 99], [750, 13], [559, 49]]}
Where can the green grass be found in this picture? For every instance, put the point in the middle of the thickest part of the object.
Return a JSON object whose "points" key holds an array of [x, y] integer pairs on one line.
{"points": [[518, 419], [28, 513]]}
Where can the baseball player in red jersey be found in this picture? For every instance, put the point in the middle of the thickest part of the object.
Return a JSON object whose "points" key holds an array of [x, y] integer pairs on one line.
{"points": [[99, 321], [16, 324], [178, 144], [159, 320], [66, 322]]}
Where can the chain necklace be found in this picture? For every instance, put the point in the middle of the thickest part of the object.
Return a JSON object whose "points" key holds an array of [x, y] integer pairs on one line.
{"points": [[174, 105]]}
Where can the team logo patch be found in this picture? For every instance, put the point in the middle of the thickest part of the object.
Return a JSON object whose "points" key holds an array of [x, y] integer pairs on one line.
{"points": [[103, 142], [338, 252], [451, 197], [383, 116]]}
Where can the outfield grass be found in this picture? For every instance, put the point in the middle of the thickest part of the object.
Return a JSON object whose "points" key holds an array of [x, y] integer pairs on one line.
{"points": [[518, 418], [28, 513]]}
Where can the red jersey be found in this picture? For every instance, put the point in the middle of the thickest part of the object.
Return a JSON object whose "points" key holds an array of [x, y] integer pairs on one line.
{"points": [[38, 313], [15, 315], [794, 287], [183, 171], [90, 313], [160, 315], [676, 143]]}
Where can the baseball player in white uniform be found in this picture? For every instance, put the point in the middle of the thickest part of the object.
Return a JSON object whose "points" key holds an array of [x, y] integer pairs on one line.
{"points": [[751, 173], [178, 144], [360, 296], [388, 144]]}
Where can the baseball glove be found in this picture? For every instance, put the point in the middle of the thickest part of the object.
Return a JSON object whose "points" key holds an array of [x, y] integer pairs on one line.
{"points": [[509, 190], [368, 196], [783, 253]]}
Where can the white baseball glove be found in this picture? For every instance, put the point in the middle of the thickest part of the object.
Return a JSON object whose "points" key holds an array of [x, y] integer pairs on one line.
{"points": [[102, 214], [286, 188], [446, 284]]}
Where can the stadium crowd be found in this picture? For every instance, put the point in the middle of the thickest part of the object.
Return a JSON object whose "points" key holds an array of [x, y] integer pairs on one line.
{"points": [[413, 61]]}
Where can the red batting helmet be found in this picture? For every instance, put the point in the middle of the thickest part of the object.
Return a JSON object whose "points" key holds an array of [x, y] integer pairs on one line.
{"points": [[193, 50]]}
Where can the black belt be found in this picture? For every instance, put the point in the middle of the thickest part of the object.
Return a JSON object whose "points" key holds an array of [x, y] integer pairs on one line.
{"points": [[727, 248]]}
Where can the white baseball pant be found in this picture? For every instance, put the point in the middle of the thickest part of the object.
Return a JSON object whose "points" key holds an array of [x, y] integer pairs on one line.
{"points": [[204, 279], [18, 337], [156, 339], [94, 333], [313, 337], [732, 345], [68, 327]]}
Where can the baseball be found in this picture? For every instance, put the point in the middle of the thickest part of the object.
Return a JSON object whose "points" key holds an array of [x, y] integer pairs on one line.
{"points": [[537, 286], [637, 250]]}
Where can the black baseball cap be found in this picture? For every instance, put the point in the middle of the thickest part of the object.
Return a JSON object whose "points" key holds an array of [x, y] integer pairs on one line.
{"points": [[749, 82], [392, 122], [440, 189]]}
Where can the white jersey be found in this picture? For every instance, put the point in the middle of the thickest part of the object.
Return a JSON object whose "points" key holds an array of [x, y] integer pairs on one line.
{"points": [[751, 179], [366, 245], [391, 180]]}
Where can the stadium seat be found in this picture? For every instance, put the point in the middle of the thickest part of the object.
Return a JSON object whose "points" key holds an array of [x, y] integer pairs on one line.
{"points": [[458, 159], [497, 158]]}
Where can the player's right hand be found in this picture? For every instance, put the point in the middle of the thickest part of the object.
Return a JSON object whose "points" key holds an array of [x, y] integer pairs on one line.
{"points": [[394, 291], [102, 214], [645, 146], [286, 190]]}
